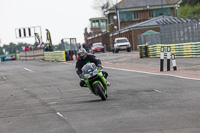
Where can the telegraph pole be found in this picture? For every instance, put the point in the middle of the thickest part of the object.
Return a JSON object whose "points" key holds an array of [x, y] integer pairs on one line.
{"points": [[118, 15], [162, 9]]}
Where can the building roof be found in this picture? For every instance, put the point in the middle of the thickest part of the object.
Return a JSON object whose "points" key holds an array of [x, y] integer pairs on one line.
{"points": [[127, 4], [149, 32], [98, 18], [144, 3], [150, 22], [160, 20]]}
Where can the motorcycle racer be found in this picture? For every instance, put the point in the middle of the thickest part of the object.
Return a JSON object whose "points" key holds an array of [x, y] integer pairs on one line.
{"points": [[84, 58]]}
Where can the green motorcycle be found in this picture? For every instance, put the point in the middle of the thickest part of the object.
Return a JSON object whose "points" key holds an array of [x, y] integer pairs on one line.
{"points": [[95, 80]]}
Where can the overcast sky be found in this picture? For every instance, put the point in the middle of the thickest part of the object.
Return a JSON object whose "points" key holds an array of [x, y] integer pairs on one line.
{"points": [[63, 18]]}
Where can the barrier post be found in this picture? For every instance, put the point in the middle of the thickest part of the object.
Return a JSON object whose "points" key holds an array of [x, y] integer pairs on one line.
{"points": [[146, 51], [25, 55], [141, 51], [168, 58], [174, 62], [161, 59]]}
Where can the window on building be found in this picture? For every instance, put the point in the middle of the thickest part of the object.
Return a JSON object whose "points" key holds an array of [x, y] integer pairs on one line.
{"points": [[95, 23], [126, 16], [165, 11], [151, 13], [103, 23], [136, 15]]}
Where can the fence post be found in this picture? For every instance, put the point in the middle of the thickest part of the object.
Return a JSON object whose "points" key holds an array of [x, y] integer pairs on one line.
{"points": [[146, 51], [161, 58], [33, 54], [141, 51], [25, 55]]}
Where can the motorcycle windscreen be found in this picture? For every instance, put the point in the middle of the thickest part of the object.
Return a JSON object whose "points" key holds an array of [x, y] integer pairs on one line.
{"points": [[89, 70]]}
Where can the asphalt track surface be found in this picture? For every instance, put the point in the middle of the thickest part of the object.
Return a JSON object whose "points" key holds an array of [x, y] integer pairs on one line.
{"points": [[45, 97]]}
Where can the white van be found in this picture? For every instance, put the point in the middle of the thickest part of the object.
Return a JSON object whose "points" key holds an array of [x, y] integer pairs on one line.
{"points": [[120, 44]]}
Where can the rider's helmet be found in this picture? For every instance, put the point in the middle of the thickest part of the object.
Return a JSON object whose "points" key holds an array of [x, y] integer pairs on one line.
{"points": [[82, 54]]}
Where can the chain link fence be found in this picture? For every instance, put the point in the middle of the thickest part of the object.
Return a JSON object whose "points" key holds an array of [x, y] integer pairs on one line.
{"points": [[149, 39], [173, 31]]}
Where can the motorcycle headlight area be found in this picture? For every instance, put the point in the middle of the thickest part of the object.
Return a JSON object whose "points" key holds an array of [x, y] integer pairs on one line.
{"points": [[95, 72], [87, 76]]}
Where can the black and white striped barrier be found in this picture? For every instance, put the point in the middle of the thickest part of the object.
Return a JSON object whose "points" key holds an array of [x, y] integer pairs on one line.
{"points": [[161, 59], [174, 62], [168, 58]]}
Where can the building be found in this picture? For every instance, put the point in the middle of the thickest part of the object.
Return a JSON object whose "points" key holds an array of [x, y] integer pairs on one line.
{"points": [[133, 14], [97, 25], [135, 11]]}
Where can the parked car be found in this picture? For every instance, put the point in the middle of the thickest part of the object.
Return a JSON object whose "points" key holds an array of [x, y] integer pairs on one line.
{"points": [[120, 44], [97, 47]]}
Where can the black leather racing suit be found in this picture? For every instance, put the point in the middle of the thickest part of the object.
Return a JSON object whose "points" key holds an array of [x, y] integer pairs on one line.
{"points": [[81, 62]]}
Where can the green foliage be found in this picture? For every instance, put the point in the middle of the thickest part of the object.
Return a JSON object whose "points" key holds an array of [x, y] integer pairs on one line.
{"points": [[57, 47], [12, 48], [190, 2], [1, 51], [188, 10]]}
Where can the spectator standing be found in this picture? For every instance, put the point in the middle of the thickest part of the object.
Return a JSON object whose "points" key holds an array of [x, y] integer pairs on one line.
{"points": [[26, 48], [23, 48]]}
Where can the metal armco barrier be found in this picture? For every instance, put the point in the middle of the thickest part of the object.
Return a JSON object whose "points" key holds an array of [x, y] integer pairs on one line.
{"points": [[32, 55]]}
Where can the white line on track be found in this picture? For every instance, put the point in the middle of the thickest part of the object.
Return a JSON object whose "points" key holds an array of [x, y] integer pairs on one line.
{"points": [[4, 77], [28, 69], [158, 91], [52, 103], [58, 113], [74, 90], [150, 73], [153, 73]]}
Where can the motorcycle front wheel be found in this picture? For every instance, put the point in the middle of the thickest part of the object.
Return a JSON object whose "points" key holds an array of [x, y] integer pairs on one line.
{"points": [[100, 88]]}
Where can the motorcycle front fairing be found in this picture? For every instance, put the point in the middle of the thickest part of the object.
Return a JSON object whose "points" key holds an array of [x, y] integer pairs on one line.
{"points": [[92, 75]]}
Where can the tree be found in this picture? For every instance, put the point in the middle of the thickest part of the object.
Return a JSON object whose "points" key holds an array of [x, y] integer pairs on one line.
{"points": [[190, 2], [58, 47], [12, 47], [188, 10], [1, 51]]}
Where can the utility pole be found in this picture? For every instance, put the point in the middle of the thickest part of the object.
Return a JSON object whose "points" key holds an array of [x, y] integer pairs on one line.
{"points": [[162, 9], [118, 15]]}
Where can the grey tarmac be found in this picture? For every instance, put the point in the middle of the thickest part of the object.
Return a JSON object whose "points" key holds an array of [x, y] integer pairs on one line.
{"points": [[45, 97]]}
